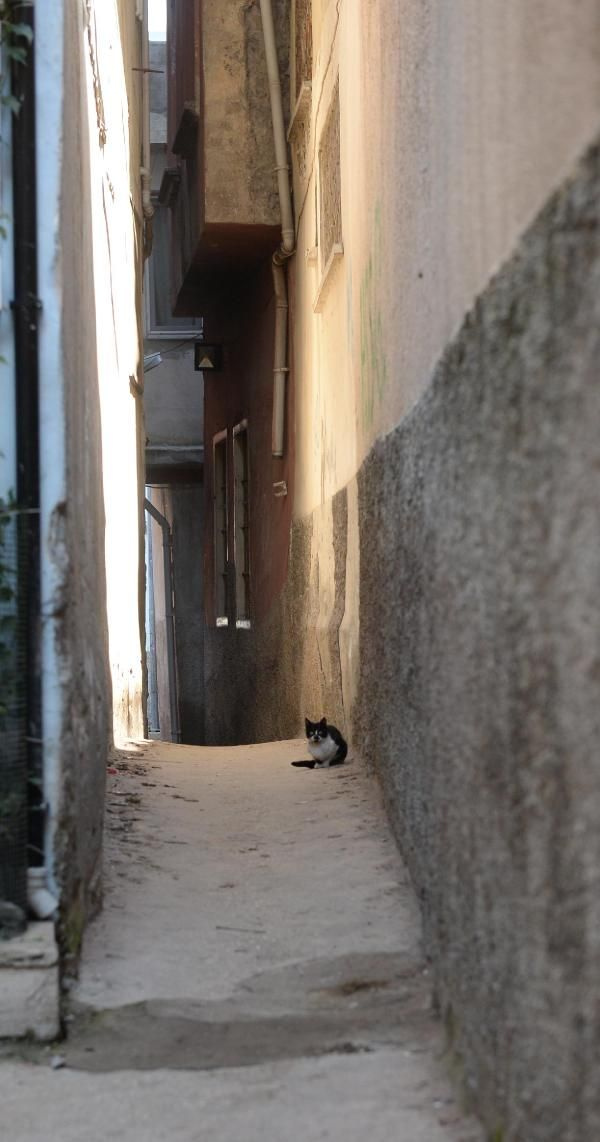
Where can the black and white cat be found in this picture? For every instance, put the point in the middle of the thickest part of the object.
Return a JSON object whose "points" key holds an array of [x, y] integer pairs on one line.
{"points": [[325, 745]]}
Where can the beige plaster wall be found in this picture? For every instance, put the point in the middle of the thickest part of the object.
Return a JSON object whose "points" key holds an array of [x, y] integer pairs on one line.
{"points": [[457, 122]]}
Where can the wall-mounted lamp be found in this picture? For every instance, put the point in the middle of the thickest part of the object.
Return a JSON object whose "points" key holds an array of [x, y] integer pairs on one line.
{"points": [[207, 358]]}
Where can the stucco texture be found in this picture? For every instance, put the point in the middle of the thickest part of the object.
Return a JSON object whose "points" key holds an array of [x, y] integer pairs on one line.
{"points": [[239, 152], [480, 658], [77, 538], [93, 539]]}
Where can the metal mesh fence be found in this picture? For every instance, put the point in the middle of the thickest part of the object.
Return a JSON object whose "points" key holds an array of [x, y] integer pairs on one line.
{"points": [[13, 729]]}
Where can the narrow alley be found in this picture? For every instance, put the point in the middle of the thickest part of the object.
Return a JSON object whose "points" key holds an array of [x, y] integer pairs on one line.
{"points": [[255, 973], [299, 430]]}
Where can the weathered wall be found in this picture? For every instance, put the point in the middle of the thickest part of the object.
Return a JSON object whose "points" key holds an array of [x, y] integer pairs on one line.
{"points": [[78, 533], [173, 397], [114, 107], [457, 122], [89, 256], [237, 136], [480, 651], [243, 390], [261, 683], [479, 655]]}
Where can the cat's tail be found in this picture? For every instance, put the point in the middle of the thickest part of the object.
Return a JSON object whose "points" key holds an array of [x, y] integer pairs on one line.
{"points": [[304, 764]]}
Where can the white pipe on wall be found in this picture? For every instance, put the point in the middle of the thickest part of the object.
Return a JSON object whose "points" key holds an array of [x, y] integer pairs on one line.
{"points": [[49, 86], [279, 358], [288, 236]]}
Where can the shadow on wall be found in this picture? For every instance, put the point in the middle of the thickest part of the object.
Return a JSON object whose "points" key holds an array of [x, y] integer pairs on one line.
{"points": [[178, 587]]}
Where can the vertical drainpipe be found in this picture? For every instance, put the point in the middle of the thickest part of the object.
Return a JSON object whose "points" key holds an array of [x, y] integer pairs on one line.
{"points": [[26, 309], [288, 238], [49, 83], [146, 168]]}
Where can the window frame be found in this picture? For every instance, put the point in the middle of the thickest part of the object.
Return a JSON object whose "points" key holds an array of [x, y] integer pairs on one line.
{"points": [[244, 621], [221, 615], [189, 328]]}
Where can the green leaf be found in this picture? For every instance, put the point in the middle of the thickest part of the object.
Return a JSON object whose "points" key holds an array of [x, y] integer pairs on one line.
{"points": [[12, 102], [22, 30], [17, 52]]}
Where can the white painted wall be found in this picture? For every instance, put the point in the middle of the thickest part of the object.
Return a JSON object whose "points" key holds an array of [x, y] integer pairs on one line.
{"points": [[114, 201], [90, 345]]}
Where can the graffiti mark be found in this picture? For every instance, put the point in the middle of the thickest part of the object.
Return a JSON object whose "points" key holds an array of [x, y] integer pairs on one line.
{"points": [[373, 363]]}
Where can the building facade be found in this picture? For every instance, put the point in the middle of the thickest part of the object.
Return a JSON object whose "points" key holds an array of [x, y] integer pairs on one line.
{"points": [[174, 426], [419, 560], [73, 458]]}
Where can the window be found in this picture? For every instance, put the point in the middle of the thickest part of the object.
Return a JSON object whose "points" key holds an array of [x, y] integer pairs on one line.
{"points": [[159, 321], [220, 516], [241, 545]]}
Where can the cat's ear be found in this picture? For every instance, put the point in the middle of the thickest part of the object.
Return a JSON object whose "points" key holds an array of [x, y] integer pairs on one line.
{"points": [[323, 723], [307, 726]]}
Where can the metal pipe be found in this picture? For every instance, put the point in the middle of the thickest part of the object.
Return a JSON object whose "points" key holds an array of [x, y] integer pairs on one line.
{"points": [[49, 58], [279, 359], [288, 236], [153, 719], [146, 168], [163, 523], [26, 308], [281, 157]]}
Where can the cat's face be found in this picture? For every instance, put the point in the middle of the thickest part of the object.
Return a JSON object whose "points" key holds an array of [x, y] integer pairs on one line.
{"points": [[316, 731]]}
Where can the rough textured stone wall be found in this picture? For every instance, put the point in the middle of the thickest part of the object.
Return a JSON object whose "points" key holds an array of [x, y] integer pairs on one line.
{"points": [[480, 661], [239, 154]]}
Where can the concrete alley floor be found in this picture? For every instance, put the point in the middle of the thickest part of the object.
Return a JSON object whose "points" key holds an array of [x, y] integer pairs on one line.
{"points": [[255, 973]]}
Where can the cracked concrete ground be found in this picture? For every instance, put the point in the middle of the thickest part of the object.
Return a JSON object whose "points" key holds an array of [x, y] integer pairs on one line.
{"points": [[255, 974]]}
